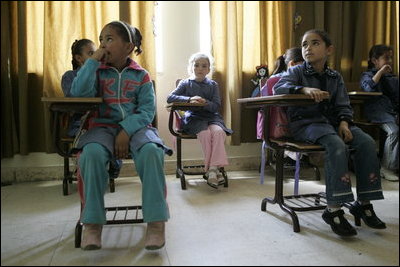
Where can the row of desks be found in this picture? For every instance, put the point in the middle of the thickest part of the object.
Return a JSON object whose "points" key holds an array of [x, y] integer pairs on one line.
{"points": [[59, 105]]}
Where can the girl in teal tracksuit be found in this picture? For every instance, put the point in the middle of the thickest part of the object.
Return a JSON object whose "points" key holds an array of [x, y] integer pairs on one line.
{"points": [[121, 127]]}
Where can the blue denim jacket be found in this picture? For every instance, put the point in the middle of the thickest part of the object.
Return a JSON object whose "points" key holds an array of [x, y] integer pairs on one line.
{"points": [[311, 122], [383, 108], [66, 81], [198, 120]]}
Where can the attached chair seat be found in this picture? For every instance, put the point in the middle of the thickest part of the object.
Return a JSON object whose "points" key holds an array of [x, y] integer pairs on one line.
{"points": [[291, 144], [296, 202]]}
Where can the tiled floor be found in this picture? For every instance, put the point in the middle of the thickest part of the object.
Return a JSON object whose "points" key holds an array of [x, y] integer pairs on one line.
{"points": [[207, 227]]}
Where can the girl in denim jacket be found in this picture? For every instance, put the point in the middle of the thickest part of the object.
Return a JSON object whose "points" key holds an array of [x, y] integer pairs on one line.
{"points": [[206, 123], [383, 109], [329, 123]]}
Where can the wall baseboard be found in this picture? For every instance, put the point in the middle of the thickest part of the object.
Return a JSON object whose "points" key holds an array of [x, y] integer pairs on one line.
{"points": [[56, 172]]}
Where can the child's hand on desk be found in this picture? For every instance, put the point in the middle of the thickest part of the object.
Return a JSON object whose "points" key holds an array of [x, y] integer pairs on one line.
{"points": [[197, 99], [315, 93], [344, 132], [121, 147]]}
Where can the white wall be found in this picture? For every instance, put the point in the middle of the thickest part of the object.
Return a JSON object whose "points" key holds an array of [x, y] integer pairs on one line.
{"points": [[181, 38]]}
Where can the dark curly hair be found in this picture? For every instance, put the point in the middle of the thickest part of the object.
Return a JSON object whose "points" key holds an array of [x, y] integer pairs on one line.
{"points": [[293, 53], [76, 49], [376, 51]]}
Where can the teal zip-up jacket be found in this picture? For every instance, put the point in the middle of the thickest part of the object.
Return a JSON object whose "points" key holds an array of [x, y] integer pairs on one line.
{"points": [[128, 95]]}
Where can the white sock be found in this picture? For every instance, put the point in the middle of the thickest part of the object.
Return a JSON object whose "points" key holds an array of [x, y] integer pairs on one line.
{"points": [[363, 202], [333, 209]]}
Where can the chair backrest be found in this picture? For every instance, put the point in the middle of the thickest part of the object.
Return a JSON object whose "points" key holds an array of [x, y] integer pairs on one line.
{"points": [[178, 113]]}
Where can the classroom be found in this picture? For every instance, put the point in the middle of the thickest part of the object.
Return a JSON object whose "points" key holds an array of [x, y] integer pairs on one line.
{"points": [[216, 205]]}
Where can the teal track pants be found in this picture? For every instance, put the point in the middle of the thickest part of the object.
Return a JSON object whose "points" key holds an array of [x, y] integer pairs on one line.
{"points": [[149, 163]]}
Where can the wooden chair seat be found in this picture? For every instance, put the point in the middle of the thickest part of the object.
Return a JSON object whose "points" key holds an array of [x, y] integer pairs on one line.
{"points": [[298, 202], [297, 145]]}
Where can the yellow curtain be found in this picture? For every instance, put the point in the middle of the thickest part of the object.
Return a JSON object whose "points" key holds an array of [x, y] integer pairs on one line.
{"points": [[9, 80], [36, 51], [354, 27], [383, 27], [244, 35]]}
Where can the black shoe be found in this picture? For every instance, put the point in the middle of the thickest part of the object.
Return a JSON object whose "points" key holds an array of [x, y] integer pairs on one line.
{"points": [[343, 228], [358, 212]]}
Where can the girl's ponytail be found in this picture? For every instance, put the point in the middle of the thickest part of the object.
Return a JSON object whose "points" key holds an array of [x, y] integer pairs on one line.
{"points": [[280, 65]]}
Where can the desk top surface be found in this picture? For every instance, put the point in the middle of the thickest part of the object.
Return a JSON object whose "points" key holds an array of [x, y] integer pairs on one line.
{"points": [[184, 104], [278, 100], [296, 99], [72, 99], [292, 97], [362, 93]]}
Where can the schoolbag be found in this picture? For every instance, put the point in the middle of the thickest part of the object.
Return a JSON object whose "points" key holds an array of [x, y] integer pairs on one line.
{"points": [[278, 122]]}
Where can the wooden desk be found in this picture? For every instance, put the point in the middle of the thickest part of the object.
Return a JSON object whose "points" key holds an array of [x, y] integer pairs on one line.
{"points": [[303, 202], [357, 99], [183, 106], [176, 106], [354, 95], [59, 106], [72, 104], [277, 100], [72, 99], [266, 102]]}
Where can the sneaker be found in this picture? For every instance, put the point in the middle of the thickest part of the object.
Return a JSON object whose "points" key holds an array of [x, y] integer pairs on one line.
{"points": [[155, 235], [338, 223], [212, 178], [220, 177], [91, 237], [393, 177]]}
